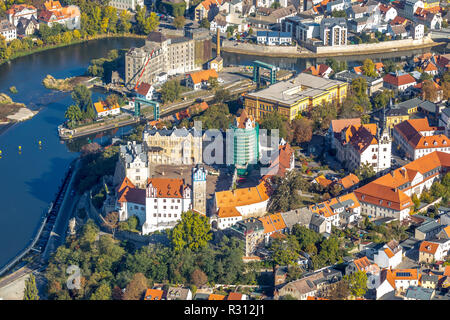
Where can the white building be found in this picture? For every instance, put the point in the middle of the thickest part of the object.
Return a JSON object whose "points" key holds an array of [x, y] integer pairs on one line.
{"points": [[417, 139], [307, 30], [18, 11], [333, 31], [273, 38], [145, 91], [389, 256], [129, 5], [102, 109], [7, 30]]}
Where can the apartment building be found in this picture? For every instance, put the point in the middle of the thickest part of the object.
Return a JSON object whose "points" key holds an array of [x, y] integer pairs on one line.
{"points": [[333, 31]]}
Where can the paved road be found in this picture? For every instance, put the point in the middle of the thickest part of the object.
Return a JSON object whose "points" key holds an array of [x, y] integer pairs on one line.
{"points": [[58, 234]]}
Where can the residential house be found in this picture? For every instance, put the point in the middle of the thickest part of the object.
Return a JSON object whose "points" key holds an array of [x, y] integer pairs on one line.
{"points": [[27, 27], [283, 163], [389, 256], [274, 38], [399, 81], [145, 91], [53, 12], [273, 226], [178, 293], [434, 250], [419, 293], [335, 209], [207, 9], [199, 80], [373, 84], [416, 138], [103, 109], [310, 285], [154, 294], [397, 31], [347, 182], [129, 5], [372, 271], [7, 30], [320, 70], [397, 281], [21, 11], [388, 12], [300, 216], [429, 281], [322, 180]]}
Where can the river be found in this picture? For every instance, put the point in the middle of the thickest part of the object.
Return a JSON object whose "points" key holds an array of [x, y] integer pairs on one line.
{"points": [[30, 179]]}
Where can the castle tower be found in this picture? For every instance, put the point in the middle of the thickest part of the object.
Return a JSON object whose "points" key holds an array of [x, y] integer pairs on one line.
{"points": [[199, 189], [384, 143]]}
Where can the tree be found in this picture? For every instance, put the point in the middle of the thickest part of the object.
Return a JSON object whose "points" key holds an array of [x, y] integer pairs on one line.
{"points": [[222, 95], [368, 68], [381, 98], [429, 90], [365, 171], [301, 131], [136, 288], [124, 21], [357, 283], [30, 292], [82, 97], [213, 83], [340, 291], [179, 22], [73, 114], [199, 278], [170, 91], [275, 5], [275, 120], [103, 292], [285, 252], [193, 232], [285, 197], [390, 66], [112, 221], [339, 14], [204, 23]]}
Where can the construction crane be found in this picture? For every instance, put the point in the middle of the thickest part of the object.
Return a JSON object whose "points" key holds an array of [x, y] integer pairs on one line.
{"points": [[143, 70]]}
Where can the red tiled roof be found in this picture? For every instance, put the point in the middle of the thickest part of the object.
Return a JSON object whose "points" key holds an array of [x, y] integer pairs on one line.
{"points": [[167, 188], [398, 80], [339, 125], [132, 195], [234, 296], [143, 88], [153, 294], [429, 247]]}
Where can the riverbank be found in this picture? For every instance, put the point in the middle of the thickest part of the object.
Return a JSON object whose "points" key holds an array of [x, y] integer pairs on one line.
{"points": [[63, 85], [323, 52], [62, 45]]}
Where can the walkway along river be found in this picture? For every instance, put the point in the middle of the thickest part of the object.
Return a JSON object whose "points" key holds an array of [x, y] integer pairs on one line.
{"points": [[30, 176]]}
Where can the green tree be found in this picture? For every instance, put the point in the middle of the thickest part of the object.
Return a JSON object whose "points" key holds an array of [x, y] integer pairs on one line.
{"points": [[170, 91], [285, 252], [193, 232], [275, 120], [204, 23], [82, 97], [103, 292], [124, 22], [365, 171], [222, 95], [30, 292], [213, 83], [73, 114], [357, 283], [285, 197]]}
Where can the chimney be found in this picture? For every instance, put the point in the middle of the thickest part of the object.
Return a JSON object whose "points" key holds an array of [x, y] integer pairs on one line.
{"points": [[218, 42]]}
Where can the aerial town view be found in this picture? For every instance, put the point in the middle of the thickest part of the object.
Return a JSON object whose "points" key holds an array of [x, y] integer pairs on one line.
{"points": [[236, 150]]}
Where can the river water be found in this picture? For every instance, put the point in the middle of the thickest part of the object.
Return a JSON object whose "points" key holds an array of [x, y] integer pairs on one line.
{"points": [[30, 179]]}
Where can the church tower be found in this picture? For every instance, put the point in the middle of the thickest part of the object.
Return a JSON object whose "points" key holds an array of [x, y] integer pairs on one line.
{"points": [[384, 143], [199, 189]]}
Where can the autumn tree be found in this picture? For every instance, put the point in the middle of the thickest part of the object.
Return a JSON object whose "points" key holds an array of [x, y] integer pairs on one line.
{"points": [[301, 131], [199, 278], [136, 288], [368, 68], [193, 231], [179, 22], [111, 221], [339, 291], [285, 197], [429, 90]]}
